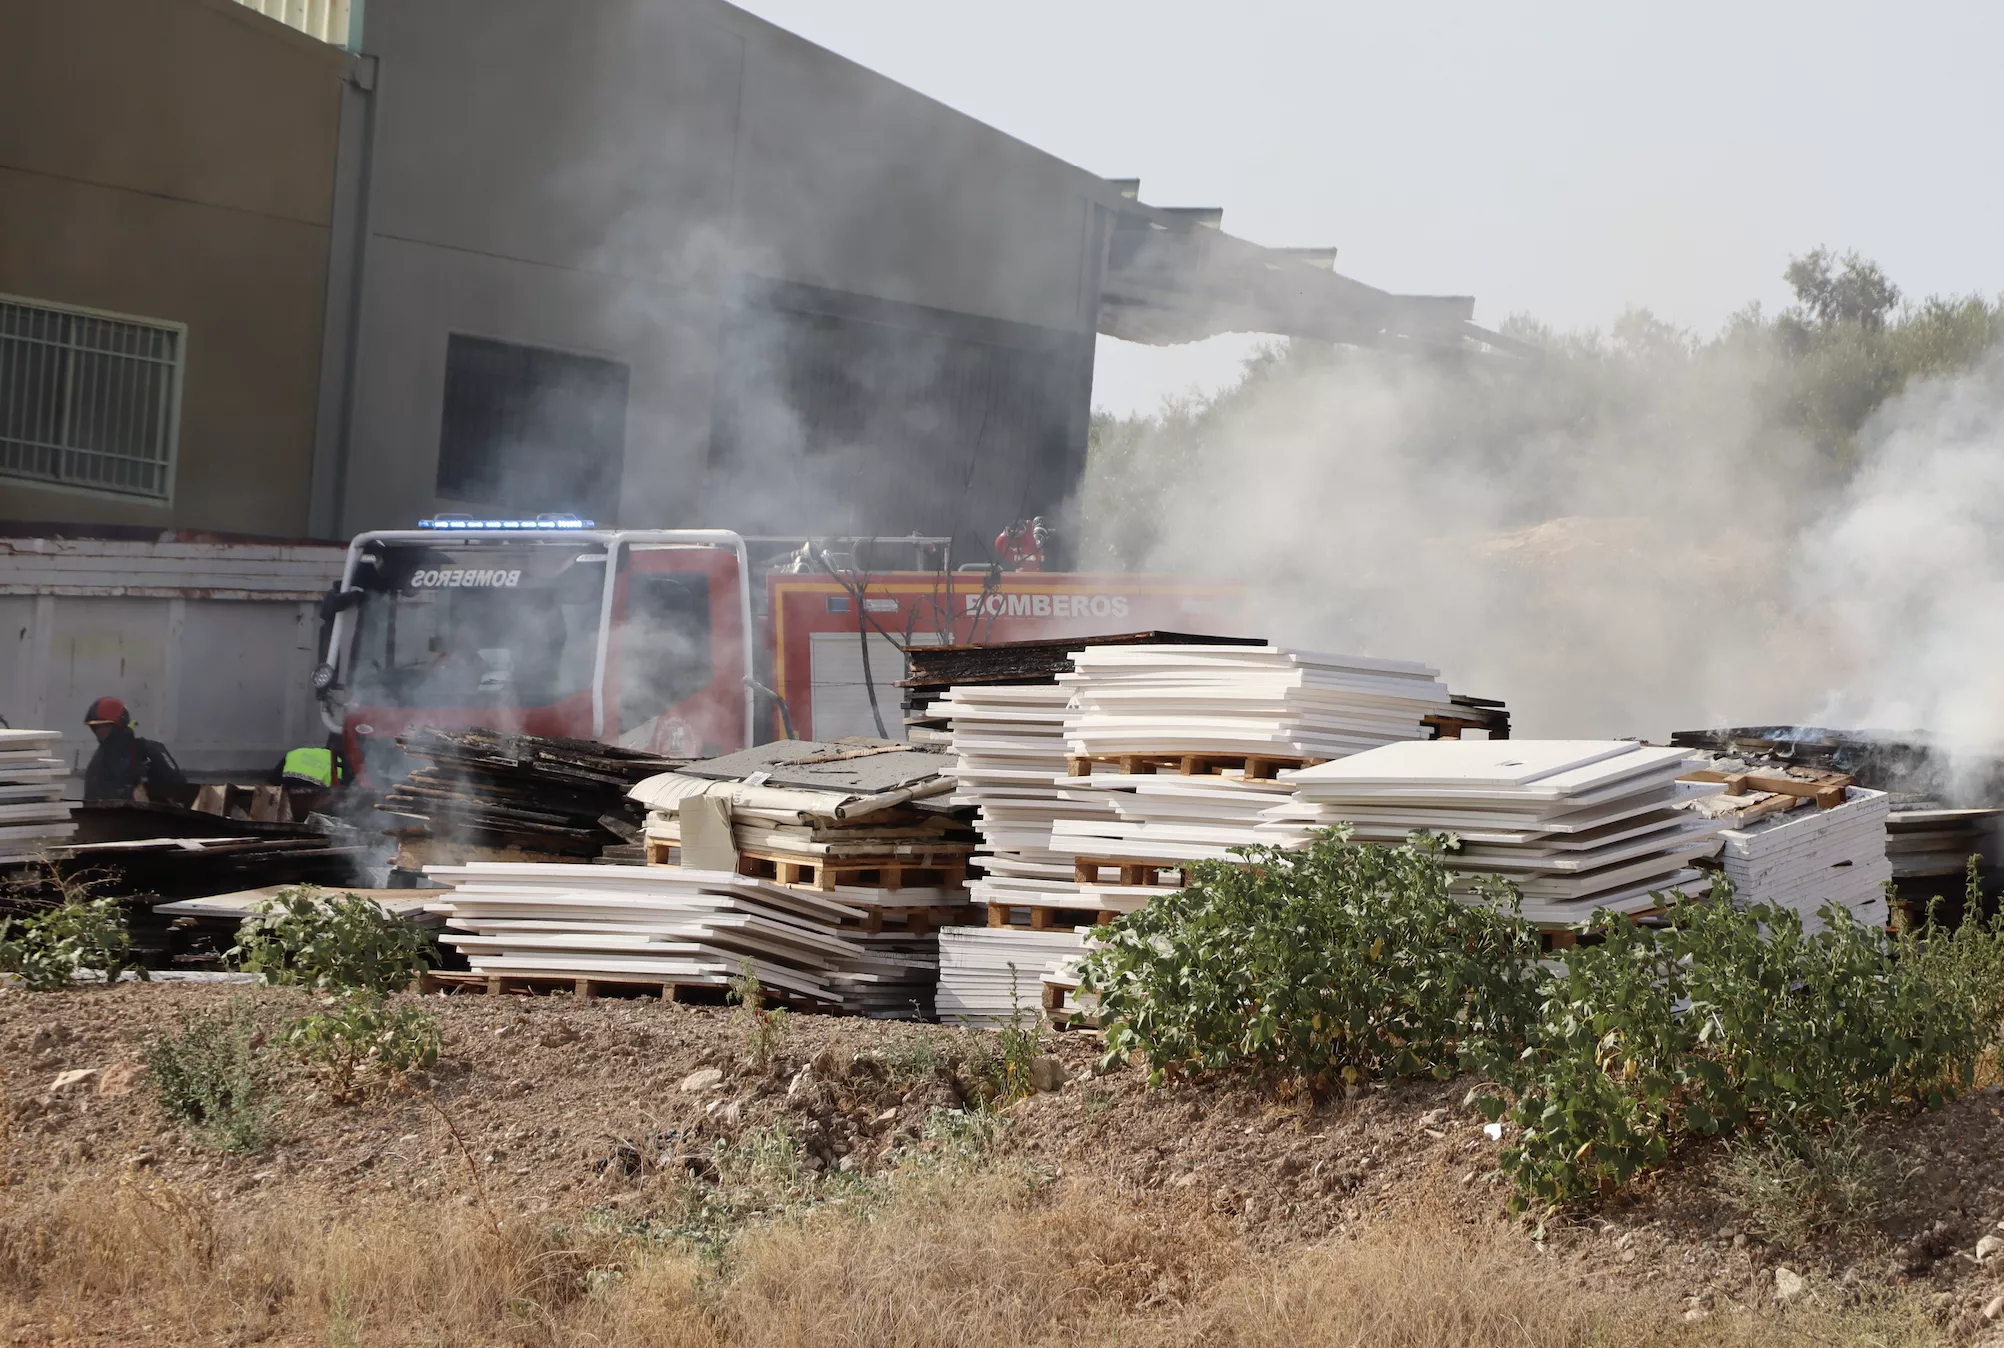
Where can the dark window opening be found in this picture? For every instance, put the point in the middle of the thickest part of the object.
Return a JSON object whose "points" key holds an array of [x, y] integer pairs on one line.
{"points": [[528, 430]]}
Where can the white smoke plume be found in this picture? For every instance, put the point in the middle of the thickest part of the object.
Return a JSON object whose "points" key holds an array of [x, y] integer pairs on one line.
{"points": [[1627, 539], [1911, 565]]}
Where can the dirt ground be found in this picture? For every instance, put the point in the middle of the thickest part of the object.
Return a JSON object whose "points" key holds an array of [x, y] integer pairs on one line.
{"points": [[550, 1105]]}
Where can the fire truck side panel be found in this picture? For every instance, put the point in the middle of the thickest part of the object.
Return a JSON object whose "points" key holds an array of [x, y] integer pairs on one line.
{"points": [[920, 608]]}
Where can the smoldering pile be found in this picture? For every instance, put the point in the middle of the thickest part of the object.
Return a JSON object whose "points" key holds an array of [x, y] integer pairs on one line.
{"points": [[489, 795], [1941, 810]]}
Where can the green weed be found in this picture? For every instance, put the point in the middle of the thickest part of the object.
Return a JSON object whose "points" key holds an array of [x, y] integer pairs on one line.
{"points": [[1791, 1186], [765, 1026], [82, 930], [212, 1075], [361, 1037]]}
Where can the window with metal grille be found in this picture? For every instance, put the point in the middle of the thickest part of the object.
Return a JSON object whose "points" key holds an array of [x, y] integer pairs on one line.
{"points": [[89, 399]]}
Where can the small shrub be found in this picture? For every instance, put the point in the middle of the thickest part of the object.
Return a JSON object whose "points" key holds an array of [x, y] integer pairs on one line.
{"points": [[82, 930], [765, 1026], [1792, 1185], [1335, 964], [1723, 1020], [913, 1059], [1018, 1042], [958, 1139], [361, 1037], [1965, 965], [331, 942], [212, 1075]]}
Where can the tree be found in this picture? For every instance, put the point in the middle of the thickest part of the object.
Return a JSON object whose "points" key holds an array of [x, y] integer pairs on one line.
{"points": [[1855, 291]]}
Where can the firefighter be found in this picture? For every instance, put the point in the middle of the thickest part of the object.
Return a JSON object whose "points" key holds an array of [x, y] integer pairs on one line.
{"points": [[322, 768], [124, 761]]}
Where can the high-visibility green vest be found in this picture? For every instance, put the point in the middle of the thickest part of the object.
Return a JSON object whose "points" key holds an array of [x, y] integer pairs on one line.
{"points": [[313, 765]]}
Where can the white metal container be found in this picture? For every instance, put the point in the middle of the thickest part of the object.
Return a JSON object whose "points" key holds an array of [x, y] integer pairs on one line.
{"points": [[211, 645]]}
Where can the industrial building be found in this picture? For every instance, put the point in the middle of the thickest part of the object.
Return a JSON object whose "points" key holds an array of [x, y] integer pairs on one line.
{"points": [[292, 269]]}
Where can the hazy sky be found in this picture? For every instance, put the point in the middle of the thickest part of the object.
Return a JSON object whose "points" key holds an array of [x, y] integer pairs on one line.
{"points": [[1560, 158]]}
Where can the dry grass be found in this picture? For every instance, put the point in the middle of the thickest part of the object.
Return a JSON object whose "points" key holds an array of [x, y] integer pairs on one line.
{"points": [[943, 1260]]}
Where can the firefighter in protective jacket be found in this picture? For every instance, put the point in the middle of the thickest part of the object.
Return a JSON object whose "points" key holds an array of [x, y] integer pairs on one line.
{"points": [[124, 761]]}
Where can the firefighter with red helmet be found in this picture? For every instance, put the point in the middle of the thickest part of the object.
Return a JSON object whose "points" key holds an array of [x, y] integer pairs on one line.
{"points": [[124, 761]]}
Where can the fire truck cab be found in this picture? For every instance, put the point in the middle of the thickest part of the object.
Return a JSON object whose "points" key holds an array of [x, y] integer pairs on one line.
{"points": [[512, 625]]}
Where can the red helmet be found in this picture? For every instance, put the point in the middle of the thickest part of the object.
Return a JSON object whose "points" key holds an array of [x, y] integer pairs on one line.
{"points": [[107, 711]]}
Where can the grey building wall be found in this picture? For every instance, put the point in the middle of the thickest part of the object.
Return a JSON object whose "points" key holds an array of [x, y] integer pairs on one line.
{"points": [[173, 160], [841, 305]]}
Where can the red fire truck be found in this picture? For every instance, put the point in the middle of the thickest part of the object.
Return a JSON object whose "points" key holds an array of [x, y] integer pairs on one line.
{"points": [[681, 641]]}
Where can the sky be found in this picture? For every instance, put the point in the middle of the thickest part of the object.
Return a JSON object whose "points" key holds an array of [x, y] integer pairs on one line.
{"points": [[1561, 159]]}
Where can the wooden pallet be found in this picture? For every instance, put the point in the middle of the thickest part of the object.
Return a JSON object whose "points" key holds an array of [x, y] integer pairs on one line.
{"points": [[1061, 1008], [1554, 939], [1085, 871], [1043, 918], [596, 985], [1827, 789], [1256, 767], [825, 873]]}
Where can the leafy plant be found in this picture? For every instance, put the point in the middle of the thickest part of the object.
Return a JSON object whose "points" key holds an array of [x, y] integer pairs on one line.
{"points": [[360, 1036], [1720, 1021], [81, 930], [212, 1075], [1791, 1185], [765, 1026], [331, 941], [1339, 963]]}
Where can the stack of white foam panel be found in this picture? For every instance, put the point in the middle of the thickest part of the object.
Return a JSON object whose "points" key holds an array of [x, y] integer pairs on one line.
{"points": [[33, 816], [1009, 754], [674, 925], [1256, 700], [987, 975], [1807, 858], [1575, 824], [1165, 818], [1180, 741]]}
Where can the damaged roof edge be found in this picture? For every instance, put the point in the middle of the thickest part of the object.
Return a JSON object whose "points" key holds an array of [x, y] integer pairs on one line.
{"points": [[1175, 276]]}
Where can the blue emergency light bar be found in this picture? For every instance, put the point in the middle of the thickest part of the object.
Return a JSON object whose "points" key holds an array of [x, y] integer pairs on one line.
{"points": [[553, 521]]}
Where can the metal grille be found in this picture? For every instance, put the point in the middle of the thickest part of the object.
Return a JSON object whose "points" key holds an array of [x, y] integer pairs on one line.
{"points": [[87, 399], [327, 20]]}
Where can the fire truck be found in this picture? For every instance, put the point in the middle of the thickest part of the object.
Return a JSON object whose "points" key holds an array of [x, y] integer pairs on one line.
{"points": [[687, 642]]}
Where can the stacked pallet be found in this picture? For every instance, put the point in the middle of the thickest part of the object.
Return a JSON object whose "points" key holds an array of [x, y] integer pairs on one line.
{"points": [[853, 815], [995, 975], [1575, 824], [487, 793], [1182, 746], [33, 817], [862, 823], [672, 928], [1936, 844], [1009, 756], [1803, 859], [934, 671]]}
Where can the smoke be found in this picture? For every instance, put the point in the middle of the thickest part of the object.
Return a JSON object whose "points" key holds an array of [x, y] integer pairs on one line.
{"points": [[1629, 537], [1910, 564]]}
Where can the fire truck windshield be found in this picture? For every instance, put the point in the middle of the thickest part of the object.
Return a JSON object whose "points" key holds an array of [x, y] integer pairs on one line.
{"points": [[477, 627]]}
